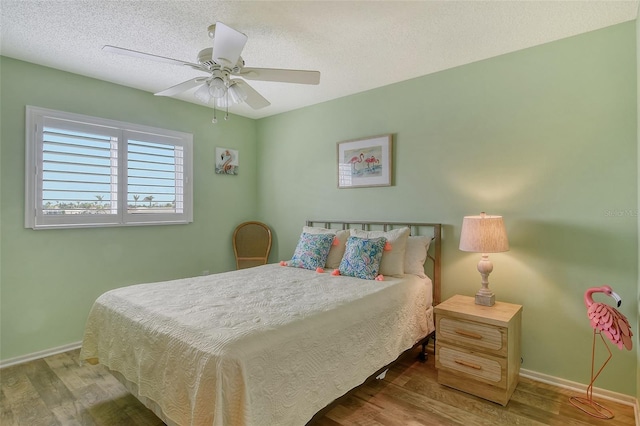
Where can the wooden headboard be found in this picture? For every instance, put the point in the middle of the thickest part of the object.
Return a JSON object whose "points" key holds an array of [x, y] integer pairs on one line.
{"points": [[416, 228]]}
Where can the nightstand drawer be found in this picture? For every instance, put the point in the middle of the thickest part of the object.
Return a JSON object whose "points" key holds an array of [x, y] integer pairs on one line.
{"points": [[476, 366], [472, 334]]}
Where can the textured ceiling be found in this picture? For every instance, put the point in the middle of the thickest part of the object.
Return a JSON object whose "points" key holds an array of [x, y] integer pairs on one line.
{"points": [[356, 45]]}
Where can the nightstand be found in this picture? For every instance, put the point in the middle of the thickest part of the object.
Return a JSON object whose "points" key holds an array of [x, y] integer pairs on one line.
{"points": [[478, 347]]}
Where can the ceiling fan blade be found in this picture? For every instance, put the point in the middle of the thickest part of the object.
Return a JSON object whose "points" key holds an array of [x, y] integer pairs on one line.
{"points": [[182, 87], [227, 45], [281, 75], [142, 55], [254, 99]]}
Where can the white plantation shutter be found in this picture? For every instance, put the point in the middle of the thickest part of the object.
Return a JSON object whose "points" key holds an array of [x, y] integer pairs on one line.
{"points": [[86, 171], [78, 169], [155, 176]]}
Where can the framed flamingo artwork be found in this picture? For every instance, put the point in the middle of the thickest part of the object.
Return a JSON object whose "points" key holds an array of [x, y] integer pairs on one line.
{"points": [[227, 161], [365, 162]]}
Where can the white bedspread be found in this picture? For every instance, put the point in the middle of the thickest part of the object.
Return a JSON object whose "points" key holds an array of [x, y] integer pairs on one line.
{"points": [[270, 345]]}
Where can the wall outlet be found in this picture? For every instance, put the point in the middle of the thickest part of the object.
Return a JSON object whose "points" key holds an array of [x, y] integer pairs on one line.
{"points": [[205, 272]]}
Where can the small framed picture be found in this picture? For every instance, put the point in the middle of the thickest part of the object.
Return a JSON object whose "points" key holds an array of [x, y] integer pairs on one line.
{"points": [[365, 162], [227, 161]]}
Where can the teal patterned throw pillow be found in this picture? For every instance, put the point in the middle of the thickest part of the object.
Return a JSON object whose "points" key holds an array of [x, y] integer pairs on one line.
{"points": [[312, 251], [362, 257]]}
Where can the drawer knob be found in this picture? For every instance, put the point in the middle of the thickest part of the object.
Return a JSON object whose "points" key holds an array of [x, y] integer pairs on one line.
{"points": [[469, 334], [468, 364]]}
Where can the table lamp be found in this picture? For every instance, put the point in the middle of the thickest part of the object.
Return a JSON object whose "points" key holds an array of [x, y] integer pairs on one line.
{"points": [[484, 234]]}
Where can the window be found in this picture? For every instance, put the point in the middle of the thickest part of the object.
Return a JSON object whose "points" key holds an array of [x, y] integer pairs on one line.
{"points": [[84, 171]]}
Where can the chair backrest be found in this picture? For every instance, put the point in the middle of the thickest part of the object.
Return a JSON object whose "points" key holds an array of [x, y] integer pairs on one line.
{"points": [[251, 244]]}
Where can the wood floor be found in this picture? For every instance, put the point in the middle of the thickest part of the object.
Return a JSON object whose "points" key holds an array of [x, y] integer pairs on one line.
{"points": [[59, 391]]}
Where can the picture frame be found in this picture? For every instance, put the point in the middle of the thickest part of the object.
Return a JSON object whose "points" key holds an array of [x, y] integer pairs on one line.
{"points": [[227, 161], [365, 162]]}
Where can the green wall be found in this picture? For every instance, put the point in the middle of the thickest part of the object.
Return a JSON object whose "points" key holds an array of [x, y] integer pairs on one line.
{"points": [[545, 137], [51, 278]]}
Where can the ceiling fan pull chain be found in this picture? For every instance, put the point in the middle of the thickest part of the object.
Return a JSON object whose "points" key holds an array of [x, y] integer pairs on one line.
{"points": [[226, 94], [215, 120]]}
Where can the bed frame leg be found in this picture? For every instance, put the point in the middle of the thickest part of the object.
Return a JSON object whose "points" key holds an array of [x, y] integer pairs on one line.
{"points": [[423, 353]]}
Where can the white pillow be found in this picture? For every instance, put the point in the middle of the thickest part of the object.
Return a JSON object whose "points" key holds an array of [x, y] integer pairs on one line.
{"points": [[415, 255], [392, 262], [337, 251]]}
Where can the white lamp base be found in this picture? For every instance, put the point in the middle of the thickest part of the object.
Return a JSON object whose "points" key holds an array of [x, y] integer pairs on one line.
{"points": [[485, 296], [485, 299]]}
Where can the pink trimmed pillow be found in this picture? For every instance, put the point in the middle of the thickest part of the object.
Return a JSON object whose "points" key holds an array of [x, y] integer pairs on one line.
{"points": [[337, 251], [392, 263]]}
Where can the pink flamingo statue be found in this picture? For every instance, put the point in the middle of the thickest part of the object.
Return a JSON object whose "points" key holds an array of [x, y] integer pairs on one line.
{"points": [[605, 320]]}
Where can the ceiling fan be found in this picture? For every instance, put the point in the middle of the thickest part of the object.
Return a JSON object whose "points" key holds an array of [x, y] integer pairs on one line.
{"points": [[222, 62]]}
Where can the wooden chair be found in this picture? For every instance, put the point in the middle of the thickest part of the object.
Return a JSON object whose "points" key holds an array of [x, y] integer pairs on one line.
{"points": [[251, 244]]}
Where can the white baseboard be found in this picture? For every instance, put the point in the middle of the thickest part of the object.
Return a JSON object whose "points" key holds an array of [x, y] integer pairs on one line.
{"points": [[580, 388], [37, 355]]}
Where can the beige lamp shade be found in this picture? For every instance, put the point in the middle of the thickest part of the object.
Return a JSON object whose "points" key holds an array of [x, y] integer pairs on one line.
{"points": [[483, 234]]}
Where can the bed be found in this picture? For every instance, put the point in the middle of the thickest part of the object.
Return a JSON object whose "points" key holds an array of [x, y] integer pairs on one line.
{"points": [[273, 344]]}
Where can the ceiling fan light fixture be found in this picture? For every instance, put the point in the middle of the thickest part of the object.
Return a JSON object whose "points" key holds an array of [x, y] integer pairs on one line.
{"points": [[220, 103], [217, 88], [202, 94]]}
